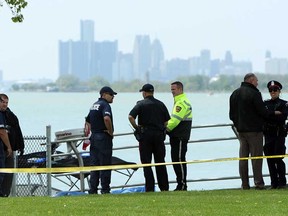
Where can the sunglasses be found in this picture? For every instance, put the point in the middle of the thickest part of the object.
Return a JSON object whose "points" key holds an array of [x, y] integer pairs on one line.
{"points": [[273, 90], [112, 95]]}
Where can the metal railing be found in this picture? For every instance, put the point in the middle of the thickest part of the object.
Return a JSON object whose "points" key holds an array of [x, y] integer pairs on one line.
{"points": [[74, 143], [44, 181]]}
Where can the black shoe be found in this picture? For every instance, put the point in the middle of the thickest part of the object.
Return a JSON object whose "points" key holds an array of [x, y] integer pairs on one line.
{"points": [[273, 187], [92, 192], [258, 187], [245, 187], [181, 188], [105, 192]]}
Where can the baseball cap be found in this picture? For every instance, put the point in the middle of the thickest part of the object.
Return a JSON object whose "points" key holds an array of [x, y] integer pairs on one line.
{"points": [[147, 88], [107, 89]]}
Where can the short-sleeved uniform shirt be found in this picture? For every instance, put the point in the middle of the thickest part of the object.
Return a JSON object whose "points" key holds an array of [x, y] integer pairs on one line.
{"points": [[98, 111], [151, 113]]}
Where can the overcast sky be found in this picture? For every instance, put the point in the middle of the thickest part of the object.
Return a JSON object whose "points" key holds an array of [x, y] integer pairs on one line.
{"points": [[247, 28]]}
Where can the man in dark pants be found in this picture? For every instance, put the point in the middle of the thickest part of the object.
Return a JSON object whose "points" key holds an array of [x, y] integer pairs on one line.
{"points": [[179, 129], [4, 144], [152, 119], [15, 138], [100, 122], [247, 111], [275, 134]]}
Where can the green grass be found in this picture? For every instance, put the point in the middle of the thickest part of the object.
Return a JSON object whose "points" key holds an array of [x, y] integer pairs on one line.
{"points": [[215, 202]]}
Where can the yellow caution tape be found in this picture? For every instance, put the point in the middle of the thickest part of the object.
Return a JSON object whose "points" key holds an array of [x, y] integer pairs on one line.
{"points": [[119, 167]]}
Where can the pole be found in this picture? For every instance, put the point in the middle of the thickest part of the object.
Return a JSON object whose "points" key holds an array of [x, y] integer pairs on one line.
{"points": [[48, 159]]}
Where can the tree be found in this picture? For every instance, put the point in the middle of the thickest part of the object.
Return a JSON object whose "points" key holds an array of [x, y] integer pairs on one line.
{"points": [[96, 83], [67, 82], [16, 7]]}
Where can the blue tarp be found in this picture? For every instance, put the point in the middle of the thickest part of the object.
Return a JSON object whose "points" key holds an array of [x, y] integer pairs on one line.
{"points": [[69, 193], [121, 191], [129, 190]]}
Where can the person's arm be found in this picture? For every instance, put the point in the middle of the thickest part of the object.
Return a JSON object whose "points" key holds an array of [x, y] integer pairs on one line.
{"points": [[260, 107], [133, 122], [108, 124], [5, 140], [87, 128], [178, 113]]}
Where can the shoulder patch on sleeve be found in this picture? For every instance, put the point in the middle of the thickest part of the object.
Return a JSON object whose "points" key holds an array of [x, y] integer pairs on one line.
{"points": [[178, 109]]}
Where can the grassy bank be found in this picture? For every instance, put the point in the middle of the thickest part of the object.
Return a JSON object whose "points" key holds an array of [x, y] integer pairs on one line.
{"points": [[216, 202]]}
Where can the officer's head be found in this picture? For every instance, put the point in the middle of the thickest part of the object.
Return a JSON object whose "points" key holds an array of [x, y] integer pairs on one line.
{"points": [[274, 88], [107, 93], [147, 90], [177, 88]]}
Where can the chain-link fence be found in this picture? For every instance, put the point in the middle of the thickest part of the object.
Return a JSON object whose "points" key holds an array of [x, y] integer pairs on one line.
{"points": [[31, 184]]}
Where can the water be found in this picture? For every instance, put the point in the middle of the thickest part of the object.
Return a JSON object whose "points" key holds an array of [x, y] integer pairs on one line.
{"points": [[67, 111]]}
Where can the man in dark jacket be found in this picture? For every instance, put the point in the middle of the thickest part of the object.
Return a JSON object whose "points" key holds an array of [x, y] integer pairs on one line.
{"points": [[247, 111], [15, 138]]}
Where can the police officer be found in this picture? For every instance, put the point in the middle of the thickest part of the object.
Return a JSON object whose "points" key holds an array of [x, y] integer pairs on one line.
{"points": [[100, 122], [179, 129], [16, 141], [274, 134], [152, 119]]}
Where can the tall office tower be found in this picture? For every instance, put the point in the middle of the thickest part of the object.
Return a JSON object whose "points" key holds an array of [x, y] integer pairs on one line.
{"points": [[64, 49], [87, 30], [157, 58], [104, 59], [125, 67], [205, 62], [142, 57], [73, 59], [228, 58]]}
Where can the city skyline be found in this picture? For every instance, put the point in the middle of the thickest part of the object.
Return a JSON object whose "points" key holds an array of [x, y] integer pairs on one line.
{"points": [[87, 58], [29, 50]]}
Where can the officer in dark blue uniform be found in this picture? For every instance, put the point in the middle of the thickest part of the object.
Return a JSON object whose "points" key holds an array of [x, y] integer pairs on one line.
{"points": [[100, 122], [153, 117], [274, 134]]}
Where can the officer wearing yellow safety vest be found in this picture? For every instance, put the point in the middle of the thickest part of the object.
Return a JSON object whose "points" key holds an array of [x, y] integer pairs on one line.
{"points": [[179, 129]]}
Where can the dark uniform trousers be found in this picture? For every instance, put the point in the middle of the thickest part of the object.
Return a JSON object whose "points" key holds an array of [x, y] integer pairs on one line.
{"points": [[275, 145], [2, 165], [152, 143], [178, 152], [100, 155]]}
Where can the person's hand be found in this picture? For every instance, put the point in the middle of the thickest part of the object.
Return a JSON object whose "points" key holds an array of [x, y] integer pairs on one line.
{"points": [[278, 113], [168, 132], [21, 152], [111, 134], [9, 152]]}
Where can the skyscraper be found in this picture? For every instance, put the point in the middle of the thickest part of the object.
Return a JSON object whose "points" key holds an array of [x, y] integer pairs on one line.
{"points": [[142, 57], [205, 61], [87, 58], [87, 30], [157, 59]]}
